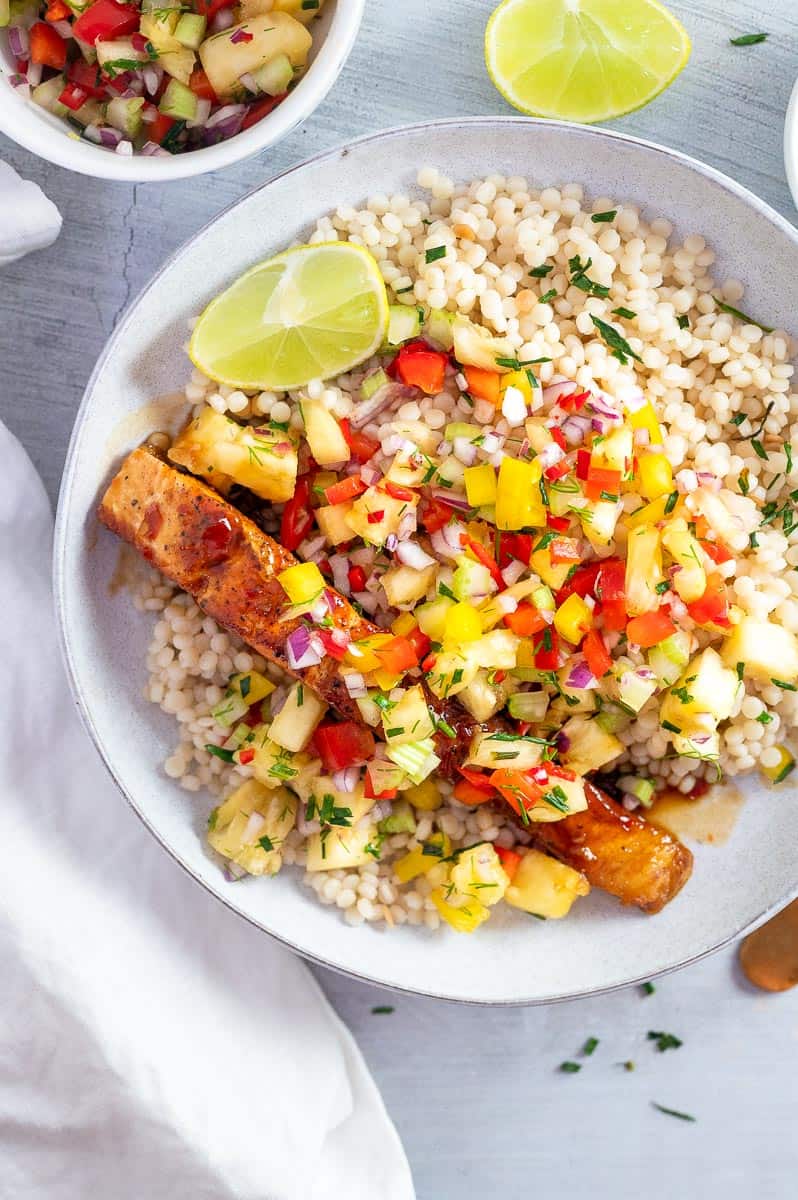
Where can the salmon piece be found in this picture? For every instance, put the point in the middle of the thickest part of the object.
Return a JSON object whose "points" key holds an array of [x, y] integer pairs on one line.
{"points": [[619, 851], [208, 548]]}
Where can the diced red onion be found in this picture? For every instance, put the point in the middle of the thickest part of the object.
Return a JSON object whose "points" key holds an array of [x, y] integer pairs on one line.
{"points": [[412, 555], [491, 443], [370, 475], [153, 150], [708, 480], [108, 137], [311, 548], [240, 35], [513, 572], [201, 115], [407, 525], [223, 20], [642, 437], [687, 480], [253, 827], [384, 397], [346, 780], [248, 81], [92, 134], [580, 676], [465, 451], [550, 455], [300, 652], [63, 29], [340, 570], [374, 583], [364, 557], [458, 502], [645, 673], [20, 82], [634, 401], [508, 604], [124, 148], [366, 601], [446, 540], [152, 76], [602, 406], [392, 444], [226, 113], [233, 872], [34, 74], [391, 542], [19, 42], [679, 610], [355, 685], [277, 700]]}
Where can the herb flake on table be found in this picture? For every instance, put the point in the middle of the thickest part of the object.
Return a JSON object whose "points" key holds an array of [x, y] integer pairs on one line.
{"points": [[664, 1041], [590, 1045], [647, 988], [380, 1010], [672, 1112], [570, 1068], [748, 39]]}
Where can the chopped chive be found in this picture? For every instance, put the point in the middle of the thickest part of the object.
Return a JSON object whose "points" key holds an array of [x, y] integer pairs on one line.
{"points": [[672, 1112], [220, 752], [740, 669], [624, 312], [600, 218], [785, 687], [435, 253], [548, 296], [382, 1009], [742, 482], [759, 449], [570, 1068], [753, 541], [738, 419], [683, 321], [670, 727], [741, 316], [542, 272], [661, 588], [671, 502], [619, 347], [401, 291], [764, 718], [748, 39], [266, 843], [664, 1041]]}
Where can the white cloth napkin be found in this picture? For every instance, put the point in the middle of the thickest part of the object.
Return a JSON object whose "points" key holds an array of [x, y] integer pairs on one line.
{"points": [[28, 220], [152, 1044]]}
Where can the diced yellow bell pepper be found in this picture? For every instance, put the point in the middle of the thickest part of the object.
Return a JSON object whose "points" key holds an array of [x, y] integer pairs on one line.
{"points": [[421, 860], [462, 624], [655, 475], [519, 503], [783, 767], [463, 920], [480, 485], [301, 583], [424, 796], [362, 655], [646, 418], [252, 686], [384, 680], [573, 619], [405, 623], [647, 514], [432, 617]]}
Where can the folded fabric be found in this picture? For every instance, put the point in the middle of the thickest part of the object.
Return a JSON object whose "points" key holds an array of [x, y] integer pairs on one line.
{"points": [[30, 221], [152, 1044]]}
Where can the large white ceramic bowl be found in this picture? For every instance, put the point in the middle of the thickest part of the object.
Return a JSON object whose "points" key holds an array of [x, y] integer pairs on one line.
{"points": [[512, 959], [48, 136]]}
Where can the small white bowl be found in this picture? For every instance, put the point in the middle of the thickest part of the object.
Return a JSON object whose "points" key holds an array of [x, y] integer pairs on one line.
{"points": [[48, 136], [791, 143]]}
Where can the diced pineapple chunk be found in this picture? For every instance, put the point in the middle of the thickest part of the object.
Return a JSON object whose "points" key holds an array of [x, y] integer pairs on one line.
{"points": [[704, 695], [224, 452], [482, 698], [589, 746], [614, 452], [273, 765], [386, 513], [225, 61], [573, 619], [333, 524], [643, 570], [766, 650], [691, 580], [598, 521], [195, 447], [431, 617], [496, 750], [544, 887], [178, 63], [561, 799], [409, 719], [405, 585], [249, 827], [327, 443], [422, 859], [552, 574], [338, 848], [296, 721], [474, 346], [477, 874], [463, 919], [655, 475]]}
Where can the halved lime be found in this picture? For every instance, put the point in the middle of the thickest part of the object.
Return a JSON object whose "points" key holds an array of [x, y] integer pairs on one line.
{"points": [[583, 60], [309, 313]]}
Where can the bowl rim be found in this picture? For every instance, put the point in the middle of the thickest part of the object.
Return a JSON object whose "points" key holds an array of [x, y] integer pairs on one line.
{"points": [[791, 143], [33, 132], [61, 522]]}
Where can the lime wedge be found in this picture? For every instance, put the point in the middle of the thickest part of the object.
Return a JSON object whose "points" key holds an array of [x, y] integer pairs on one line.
{"points": [[583, 60], [309, 313]]}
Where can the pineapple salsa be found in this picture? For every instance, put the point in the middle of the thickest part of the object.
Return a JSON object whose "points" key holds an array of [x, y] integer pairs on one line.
{"points": [[513, 494], [158, 76]]}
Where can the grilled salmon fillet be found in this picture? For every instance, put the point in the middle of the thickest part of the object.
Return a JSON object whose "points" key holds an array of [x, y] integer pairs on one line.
{"points": [[208, 548]]}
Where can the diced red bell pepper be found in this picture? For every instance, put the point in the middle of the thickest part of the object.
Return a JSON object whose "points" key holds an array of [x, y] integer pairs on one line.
{"points": [[717, 552], [397, 490], [417, 365], [558, 436], [596, 654], [485, 557], [246, 756], [297, 518], [331, 646], [602, 479], [106, 20], [73, 97], [520, 791], [357, 579], [260, 109], [555, 771], [397, 656], [564, 550], [343, 744], [86, 76], [713, 607], [47, 46], [255, 715], [526, 620], [420, 642], [466, 793], [345, 489], [57, 11], [156, 132], [515, 547], [558, 471], [574, 402], [558, 524], [547, 650], [483, 384], [361, 445], [435, 514], [200, 85], [477, 779], [650, 629], [509, 859], [582, 464], [610, 589], [209, 8], [375, 517]]}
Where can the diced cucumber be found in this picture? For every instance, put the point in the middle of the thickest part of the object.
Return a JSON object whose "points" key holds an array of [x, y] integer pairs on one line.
{"points": [[635, 685], [612, 717], [471, 579], [238, 737], [528, 706], [400, 819], [119, 50], [439, 328], [642, 789], [46, 95], [417, 759], [178, 101], [404, 323], [125, 115], [274, 77], [148, 5], [231, 708], [372, 383], [190, 30], [667, 658], [461, 429]]}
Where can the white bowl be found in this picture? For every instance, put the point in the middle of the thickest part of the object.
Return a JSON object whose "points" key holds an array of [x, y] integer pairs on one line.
{"points": [[512, 959], [791, 143], [48, 136]]}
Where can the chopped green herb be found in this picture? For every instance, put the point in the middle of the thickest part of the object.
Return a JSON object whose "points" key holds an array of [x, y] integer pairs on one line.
{"points": [[624, 312], [619, 347], [738, 419], [443, 590], [432, 850], [445, 728], [544, 299], [664, 1041], [401, 291], [753, 541], [671, 502], [266, 843], [281, 770], [742, 482], [683, 321], [748, 39], [570, 1068], [395, 732], [672, 1112], [661, 588], [788, 455], [590, 1045], [786, 687], [382, 1009], [682, 695], [764, 718], [457, 675], [741, 316], [220, 752], [628, 1065], [740, 668], [435, 253], [545, 540], [580, 279], [672, 728], [600, 218], [542, 272], [384, 702], [512, 364], [245, 686], [758, 448], [557, 798], [212, 820]]}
